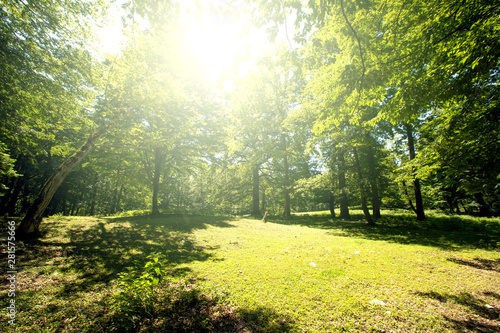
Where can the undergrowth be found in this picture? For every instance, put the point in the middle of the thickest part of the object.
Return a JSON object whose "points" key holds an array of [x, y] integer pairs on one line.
{"points": [[149, 300]]}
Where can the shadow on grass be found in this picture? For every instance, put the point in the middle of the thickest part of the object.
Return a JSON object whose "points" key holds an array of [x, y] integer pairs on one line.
{"points": [[446, 232], [98, 251], [177, 222], [74, 264], [180, 309], [479, 263], [482, 317], [175, 307], [265, 320]]}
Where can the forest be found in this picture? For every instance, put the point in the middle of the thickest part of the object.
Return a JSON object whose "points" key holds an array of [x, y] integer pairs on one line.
{"points": [[368, 103], [266, 109]]}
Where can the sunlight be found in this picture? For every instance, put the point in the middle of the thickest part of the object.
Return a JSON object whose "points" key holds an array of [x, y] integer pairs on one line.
{"points": [[110, 38], [216, 43], [216, 38], [221, 43], [111, 35]]}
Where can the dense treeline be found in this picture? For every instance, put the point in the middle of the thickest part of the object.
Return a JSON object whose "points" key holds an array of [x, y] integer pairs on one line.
{"points": [[373, 104]]}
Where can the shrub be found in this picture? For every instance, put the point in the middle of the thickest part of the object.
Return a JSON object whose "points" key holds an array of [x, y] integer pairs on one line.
{"points": [[138, 290], [149, 300]]}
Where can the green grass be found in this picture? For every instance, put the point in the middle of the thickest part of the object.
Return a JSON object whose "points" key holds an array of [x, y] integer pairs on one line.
{"points": [[309, 273]]}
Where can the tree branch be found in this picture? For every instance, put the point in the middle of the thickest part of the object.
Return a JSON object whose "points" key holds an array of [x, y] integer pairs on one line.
{"points": [[360, 52]]}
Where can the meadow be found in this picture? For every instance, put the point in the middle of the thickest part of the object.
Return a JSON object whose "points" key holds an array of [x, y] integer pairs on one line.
{"points": [[308, 273]]}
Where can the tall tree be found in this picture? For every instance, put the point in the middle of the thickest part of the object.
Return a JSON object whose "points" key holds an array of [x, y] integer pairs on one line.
{"points": [[364, 205], [343, 200], [407, 58], [419, 210], [48, 83], [30, 224]]}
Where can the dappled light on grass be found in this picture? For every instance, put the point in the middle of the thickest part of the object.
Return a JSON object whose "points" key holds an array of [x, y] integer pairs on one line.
{"points": [[305, 273], [478, 315], [439, 230], [487, 264]]}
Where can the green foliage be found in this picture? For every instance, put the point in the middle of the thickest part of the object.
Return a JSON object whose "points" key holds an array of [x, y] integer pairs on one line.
{"points": [[49, 83], [356, 74], [6, 168], [312, 194], [48, 75], [148, 294], [137, 293], [375, 63]]}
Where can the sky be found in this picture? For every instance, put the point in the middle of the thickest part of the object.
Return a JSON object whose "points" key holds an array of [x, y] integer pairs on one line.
{"points": [[218, 38]]}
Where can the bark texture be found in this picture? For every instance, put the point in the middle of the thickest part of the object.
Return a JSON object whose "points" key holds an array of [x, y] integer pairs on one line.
{"points": [[255, 190], [343, 200], [29, 227], [364, 206], [416, 183]]}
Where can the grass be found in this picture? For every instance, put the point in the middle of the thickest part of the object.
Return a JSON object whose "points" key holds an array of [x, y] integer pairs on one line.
{"points": [[309, 273]]}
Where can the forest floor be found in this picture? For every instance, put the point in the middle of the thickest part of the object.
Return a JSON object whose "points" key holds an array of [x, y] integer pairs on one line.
{"points": [[308, 273]]}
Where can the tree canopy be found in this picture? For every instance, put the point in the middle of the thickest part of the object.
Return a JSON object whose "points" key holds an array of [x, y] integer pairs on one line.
{"points": [[357, 103]]}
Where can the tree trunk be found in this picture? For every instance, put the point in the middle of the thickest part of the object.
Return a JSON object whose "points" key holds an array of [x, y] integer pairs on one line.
{"points": [[76, 205], [375, 200], [263, 206], [64, 203], [255, 190], [30, 224], [286, 210], [373, 178], [343, 201], [410, 203], [6, 197], [331, 204], [159, 157], [119, 199], [91, 210], [11, 200], [484, 210], [416, 183], [73, 208], [112, 206], [177, 196], [115, 204], [364, 206]]}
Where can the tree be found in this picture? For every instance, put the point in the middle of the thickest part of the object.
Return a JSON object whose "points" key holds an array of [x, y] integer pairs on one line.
{"points": [[405, 58], [459, 149], [111, 105], [344, 201], [30, 224], [47, 81], [251, 132], [168, 100], [261, 106], [419, 210], [7, 171]]}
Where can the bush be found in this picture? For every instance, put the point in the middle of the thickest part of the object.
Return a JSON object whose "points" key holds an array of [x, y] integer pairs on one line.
{"points": [[151, 301], [137, 287]]}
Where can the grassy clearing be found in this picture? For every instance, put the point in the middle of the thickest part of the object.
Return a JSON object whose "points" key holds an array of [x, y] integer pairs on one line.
{"points": [[309, 273]]}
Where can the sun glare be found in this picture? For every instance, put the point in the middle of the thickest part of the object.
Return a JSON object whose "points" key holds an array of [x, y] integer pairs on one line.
{"points": [[216, 40], [220, 41], [216, 43]]}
